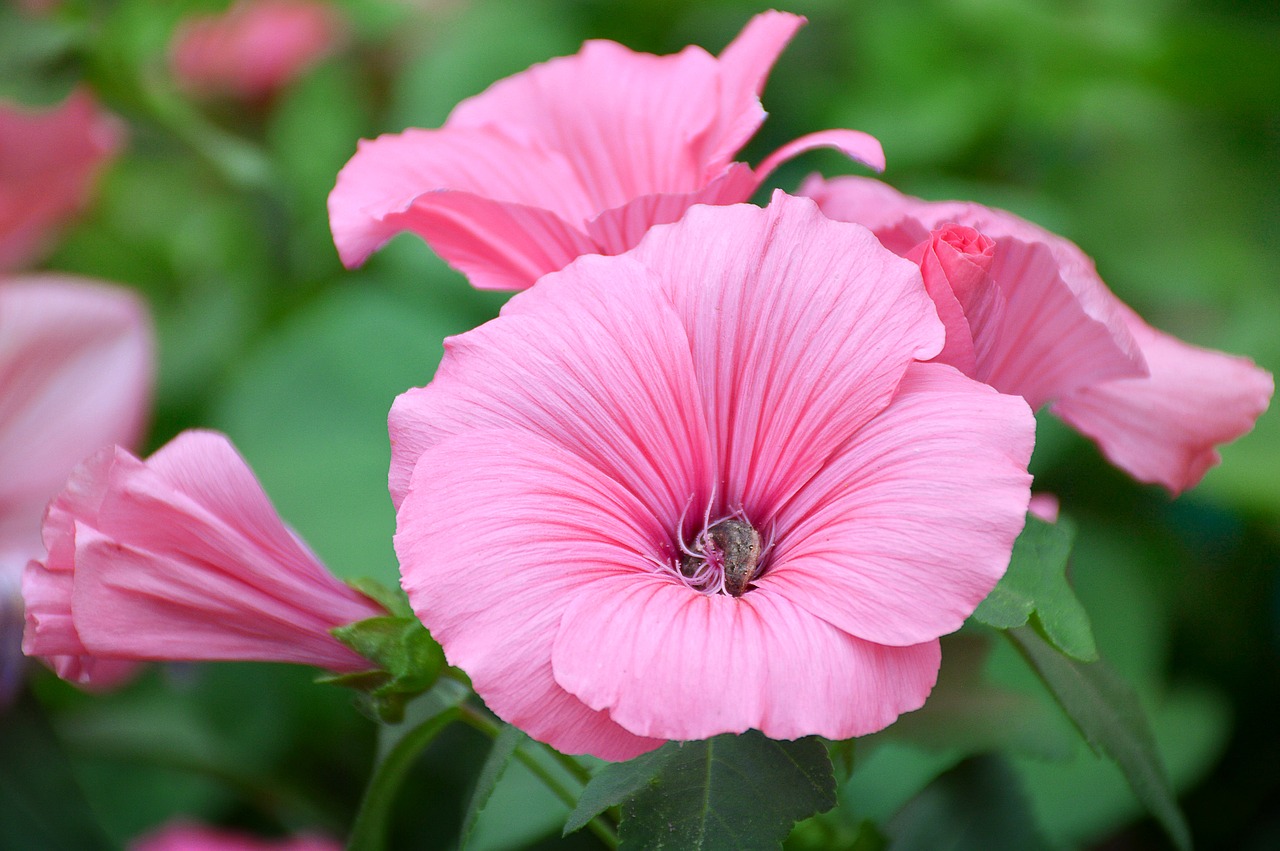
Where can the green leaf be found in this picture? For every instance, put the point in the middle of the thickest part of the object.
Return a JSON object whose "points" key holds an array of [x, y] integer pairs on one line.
{"points": [[1112, 721], [729, 792], [1035, 585], [977, 806], [41, 805], [504, 747]]}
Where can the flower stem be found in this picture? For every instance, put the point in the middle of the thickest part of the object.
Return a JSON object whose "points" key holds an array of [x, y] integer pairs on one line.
{"points": [[602, 829], [369, 833]]}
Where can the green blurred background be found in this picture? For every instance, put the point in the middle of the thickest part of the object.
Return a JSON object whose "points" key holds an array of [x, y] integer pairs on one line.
{"points": [[1146, 131]]}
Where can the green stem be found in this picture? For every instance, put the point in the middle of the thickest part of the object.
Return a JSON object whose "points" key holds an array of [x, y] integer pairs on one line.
{"points": [[369, 833], [602, 829]]}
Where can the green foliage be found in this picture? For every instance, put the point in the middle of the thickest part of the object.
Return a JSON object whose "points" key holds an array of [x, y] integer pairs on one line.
{"points": [[1036, 584], [41, 804], [729, 792], [407, 662], [977, 806], [495, 764], [1107, 713]]}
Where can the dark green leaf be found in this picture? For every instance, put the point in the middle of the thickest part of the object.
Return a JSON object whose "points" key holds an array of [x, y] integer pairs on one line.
{"points": [[41, 805], [1036, 585], [977, 806], [1109, 716], [730, 792], [504, 747]]}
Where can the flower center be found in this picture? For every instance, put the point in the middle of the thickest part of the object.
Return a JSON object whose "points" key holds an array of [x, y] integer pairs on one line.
{"points": [[726, 555]]}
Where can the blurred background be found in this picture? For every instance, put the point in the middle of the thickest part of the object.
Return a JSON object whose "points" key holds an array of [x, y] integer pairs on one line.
{"points": [[1147, 131]]}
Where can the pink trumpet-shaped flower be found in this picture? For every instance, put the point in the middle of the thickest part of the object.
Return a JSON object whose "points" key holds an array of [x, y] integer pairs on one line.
{"points": [[706, 486], [180, 557], [578, 155], [76, 363], [49, 159], [254, 48], [1027, 313], [184, 836]]}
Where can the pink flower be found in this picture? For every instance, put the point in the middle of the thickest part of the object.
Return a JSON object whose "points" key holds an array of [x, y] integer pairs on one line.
{"points": [[75, 368], [706, 486], [579, 155], [180, 557], [49, 160], [1027, 313], [254, 48], [184, 836]]}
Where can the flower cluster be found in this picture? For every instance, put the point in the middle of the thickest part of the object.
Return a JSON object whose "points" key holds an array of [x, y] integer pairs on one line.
{"points": [[718, 467]]}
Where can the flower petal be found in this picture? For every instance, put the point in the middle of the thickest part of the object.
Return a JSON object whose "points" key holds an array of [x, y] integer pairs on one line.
{"points": [[667, 662], [491, 553], [1047, 345], [910, 525], [48, 162], [500, 198], [625, 122], [76, 366], [854, 144], [769, 299], [593, 359], [620, 229], [1165, 428], [744, 66]]}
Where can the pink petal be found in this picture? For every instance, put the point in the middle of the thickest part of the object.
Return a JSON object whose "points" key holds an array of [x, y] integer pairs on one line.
{"points": [[769, 300], [1045, 506], [624, 121], [744, 66], [910, 525], [486, 203], [255, 47], [664, 661], [593, 359], [1047, 344], [854, 144], [185, 836], [492, 553], [1165, 428], [49, 160], [617, 230], [76, 361]]}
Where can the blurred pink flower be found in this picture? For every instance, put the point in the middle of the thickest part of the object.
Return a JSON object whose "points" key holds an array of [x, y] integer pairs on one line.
{"points": [[76, 361], [49, 160], [1027, 313], [185, 836], [705, 486], [180, 557], [578, 155], [255, 48]]}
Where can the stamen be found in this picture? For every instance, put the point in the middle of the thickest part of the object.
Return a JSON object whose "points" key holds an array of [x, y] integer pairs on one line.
{"points": [[724, 558]]}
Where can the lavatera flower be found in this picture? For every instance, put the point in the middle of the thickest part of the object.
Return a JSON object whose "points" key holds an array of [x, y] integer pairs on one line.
{"points": [[179, 557], [578, 155], [707, 486], [1027, 313]]}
